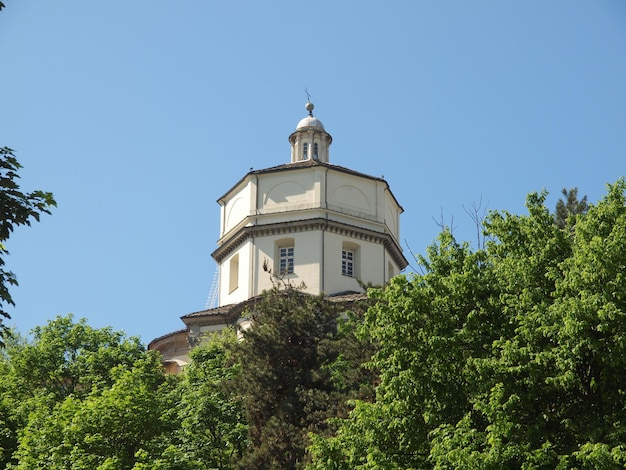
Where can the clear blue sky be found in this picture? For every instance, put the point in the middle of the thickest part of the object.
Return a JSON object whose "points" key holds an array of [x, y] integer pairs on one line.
{"points": [[139, 114]]}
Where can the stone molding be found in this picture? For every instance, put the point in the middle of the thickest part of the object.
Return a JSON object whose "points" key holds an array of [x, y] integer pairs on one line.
{"points": [[308, 225]]}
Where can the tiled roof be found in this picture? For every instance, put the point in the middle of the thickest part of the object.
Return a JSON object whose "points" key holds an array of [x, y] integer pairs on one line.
{"points": [[312, 163], [167, 335], [227, 310], [347, 296], [210, 311]]}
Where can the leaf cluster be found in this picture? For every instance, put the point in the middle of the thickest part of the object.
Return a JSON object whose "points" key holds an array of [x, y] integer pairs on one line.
{"points": [[78, 397], [510, 356], [16, 208], [569, 206], [300, 362]]}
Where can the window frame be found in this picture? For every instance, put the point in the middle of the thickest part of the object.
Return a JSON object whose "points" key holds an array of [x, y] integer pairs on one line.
{"points": [[285, 257], [348, 258]]}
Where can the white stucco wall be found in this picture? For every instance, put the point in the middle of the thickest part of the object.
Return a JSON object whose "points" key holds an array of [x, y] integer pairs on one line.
{"points": [[352, 195], [317, 260], [288, 191], [307, 247], [369, 264], [236, 206], [366, 202], [312, 193], [242, 292]]}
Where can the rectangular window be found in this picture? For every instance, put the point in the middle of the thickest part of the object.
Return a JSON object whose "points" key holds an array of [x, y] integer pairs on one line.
{"points": [[285, 261], [347, 263]]}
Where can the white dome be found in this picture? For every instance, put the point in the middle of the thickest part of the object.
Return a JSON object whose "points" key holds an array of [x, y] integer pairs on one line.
{"points": [[310, 121]]}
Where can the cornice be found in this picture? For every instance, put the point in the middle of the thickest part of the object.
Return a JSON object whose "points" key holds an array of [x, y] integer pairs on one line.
{"points": [[307, 225]]}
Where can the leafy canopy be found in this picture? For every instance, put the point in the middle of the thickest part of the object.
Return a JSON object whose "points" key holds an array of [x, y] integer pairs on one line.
{"points": [[299, 363], [77, 397], [511, 356]]}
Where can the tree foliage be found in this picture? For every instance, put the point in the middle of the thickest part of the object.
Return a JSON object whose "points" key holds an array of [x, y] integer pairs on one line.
{"points": [[78, 397], [112, 428], [293, 375], [511, 356], [569, 206], [81, 398], [213, 432], [16, 208]]}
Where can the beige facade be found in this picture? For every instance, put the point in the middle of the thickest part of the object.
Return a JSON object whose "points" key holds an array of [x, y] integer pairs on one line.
{"points": [[307, 221], [317, 208], [174, 347]]}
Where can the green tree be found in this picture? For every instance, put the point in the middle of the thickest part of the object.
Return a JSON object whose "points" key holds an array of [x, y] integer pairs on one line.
{"points": [[507, 357], [569, 206], [71, 358], [112, 428], [553, 385], [213, 433], [8, 425], [16, 208], [291, 377], [425, 327], [69, 368]]}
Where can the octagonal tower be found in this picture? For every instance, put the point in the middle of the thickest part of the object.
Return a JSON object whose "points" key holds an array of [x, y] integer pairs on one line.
{"points": [[307, 221]]}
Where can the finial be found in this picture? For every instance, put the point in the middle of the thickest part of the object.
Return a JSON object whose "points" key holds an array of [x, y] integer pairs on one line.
{"points": [[308, 106]]}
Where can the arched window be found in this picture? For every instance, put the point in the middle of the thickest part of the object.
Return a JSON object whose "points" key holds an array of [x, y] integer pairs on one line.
{"points": [[305, 151], [315, 154]]}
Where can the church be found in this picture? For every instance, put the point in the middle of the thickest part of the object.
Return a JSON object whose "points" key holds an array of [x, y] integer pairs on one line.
{"points": [[310, 222]]}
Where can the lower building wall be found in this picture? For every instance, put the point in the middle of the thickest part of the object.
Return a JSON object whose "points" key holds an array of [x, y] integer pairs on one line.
{"points": [[235, 286], [368, 263], [174, 349], [317, 258]]}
